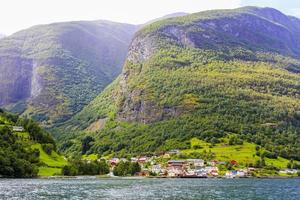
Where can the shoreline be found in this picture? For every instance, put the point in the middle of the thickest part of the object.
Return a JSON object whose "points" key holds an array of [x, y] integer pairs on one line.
{"points": [[99, 177], [155, 177]]}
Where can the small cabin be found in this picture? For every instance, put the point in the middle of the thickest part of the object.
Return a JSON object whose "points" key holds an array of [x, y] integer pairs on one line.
{"points": [[18, 129]]}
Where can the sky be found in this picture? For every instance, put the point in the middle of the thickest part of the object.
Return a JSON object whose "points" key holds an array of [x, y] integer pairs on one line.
{"points": [[16, 15], [290, 7]]}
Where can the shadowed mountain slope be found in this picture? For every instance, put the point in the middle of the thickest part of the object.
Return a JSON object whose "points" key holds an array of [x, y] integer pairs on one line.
{"points": [[51, 71]]}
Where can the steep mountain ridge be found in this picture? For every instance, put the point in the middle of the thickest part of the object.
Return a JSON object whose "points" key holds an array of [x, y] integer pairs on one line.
{"points": [[51, 71], [208, 75], [276, 17], [236, 29]]}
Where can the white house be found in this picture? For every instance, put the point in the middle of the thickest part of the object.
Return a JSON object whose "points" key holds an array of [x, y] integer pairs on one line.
{"points": [[18, 128], [197, 163], [157, 169]]}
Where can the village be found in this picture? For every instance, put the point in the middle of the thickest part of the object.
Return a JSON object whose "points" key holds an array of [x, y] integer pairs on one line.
{"points": [[163, 166], [170, 164]]}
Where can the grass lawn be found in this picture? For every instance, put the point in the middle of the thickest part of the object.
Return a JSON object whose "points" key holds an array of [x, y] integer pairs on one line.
{"points": [[53, 160], [49, 171], [90, 157], [279, 162], [24, 136]]}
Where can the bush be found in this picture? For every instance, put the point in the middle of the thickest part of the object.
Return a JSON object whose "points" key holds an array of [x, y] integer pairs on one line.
{"points": [[86, 144], [260, 163], [292, 165], [197, 146], [233, 140], [269, 154], [271, 167], [103, 167], [69, 170], [81, 167], [126, 168], [48, 148]]}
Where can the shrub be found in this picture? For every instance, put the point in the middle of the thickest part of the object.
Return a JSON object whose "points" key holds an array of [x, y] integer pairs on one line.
{"points": [[69, 170], [48, 148], [126, 168]]}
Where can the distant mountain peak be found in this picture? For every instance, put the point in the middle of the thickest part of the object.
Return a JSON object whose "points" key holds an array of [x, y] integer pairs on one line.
{"points": [[177, 14], [270, 13], [276, 16]]}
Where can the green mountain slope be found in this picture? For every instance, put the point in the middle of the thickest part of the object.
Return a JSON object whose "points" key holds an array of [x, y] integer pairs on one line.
{"points": [[26, 150], [51, 71], [246, 154], [210, 75]]}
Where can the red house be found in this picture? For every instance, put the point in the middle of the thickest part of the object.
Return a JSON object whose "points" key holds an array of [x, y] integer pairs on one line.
{"points": [[233, 162]]}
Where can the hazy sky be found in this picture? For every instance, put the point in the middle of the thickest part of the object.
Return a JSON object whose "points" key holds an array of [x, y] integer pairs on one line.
{"points": [[290, 7], [19, 14]]}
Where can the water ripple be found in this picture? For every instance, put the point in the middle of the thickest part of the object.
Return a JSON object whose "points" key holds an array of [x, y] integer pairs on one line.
{"points": [[77, 189]]}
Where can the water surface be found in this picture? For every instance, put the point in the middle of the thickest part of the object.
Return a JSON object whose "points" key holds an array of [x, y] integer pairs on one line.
{"points": [[31, 189]]}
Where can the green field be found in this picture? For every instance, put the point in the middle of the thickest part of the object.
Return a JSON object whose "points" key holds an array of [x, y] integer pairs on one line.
{"points": [[24, 136], [90, 157], [49, 171], [243, 154], [54, 162]]}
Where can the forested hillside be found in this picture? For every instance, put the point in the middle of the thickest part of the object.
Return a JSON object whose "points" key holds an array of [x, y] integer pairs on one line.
{"points": [[50, 72], [212, 75], [25, 149]]}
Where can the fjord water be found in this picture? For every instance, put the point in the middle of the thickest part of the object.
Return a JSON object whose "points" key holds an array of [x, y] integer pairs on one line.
{"points": [[150, 189]]}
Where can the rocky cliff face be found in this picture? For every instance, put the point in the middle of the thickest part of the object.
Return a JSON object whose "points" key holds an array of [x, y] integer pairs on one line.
{"points": [[250, 30], [15, 80]]}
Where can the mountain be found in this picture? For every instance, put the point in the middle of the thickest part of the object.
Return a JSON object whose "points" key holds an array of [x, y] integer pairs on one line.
{"points": [[26, 150], [172, 15], [50, 72], [2, 35], [212, 75]]}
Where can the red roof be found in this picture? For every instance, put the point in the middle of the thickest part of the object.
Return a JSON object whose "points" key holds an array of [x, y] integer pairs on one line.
{"points": [[233, 162]]}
